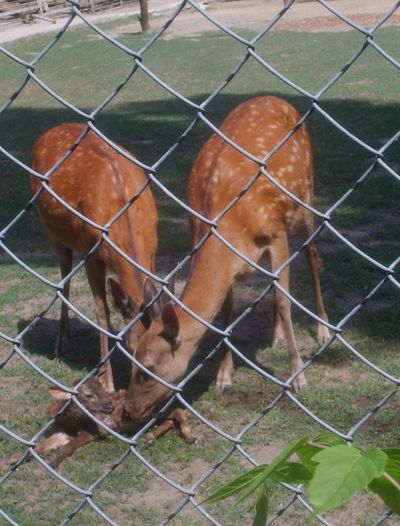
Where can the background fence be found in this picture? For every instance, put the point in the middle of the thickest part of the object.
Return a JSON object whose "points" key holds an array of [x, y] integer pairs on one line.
{"points": [[363, 161], [29, 10]]}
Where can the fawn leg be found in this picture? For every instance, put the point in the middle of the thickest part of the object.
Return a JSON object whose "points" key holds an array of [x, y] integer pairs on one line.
{"points": [[181, 422], [49, 444], [81, 439], [160, 430], [178, 419]]}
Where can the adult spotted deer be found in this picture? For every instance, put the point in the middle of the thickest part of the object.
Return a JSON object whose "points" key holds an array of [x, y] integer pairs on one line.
{"points": [[97, 182], [258, 224]]}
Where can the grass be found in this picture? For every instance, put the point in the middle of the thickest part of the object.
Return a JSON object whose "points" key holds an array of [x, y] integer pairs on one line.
{"points": [[145, 119]]}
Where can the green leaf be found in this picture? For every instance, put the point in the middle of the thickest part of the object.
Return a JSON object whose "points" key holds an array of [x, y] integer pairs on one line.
{"points": [[286, 453], [328, 439], [309, 450], [393, 462], [234, 486], [387, 492], [383, 487], [261, 507], [250, 481], [292, 473], [342, 471]]}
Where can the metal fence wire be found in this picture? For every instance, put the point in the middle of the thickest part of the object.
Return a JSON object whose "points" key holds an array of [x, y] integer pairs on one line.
{"points": [[189, 494]]}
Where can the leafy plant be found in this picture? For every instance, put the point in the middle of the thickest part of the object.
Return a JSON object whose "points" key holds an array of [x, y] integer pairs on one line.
{"points": [[333, 471]]}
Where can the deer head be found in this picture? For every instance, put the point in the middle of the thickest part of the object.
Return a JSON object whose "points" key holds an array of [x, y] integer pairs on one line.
{"points": [[95, 399], [158, 350], [125, 305]]}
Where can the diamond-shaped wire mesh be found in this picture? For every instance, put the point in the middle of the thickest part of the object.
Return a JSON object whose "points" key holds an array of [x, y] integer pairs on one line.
{"points": [[232, 450]]}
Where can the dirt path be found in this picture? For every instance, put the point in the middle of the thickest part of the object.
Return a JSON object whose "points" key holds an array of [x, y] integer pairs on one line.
{"points": [[250, 14]]}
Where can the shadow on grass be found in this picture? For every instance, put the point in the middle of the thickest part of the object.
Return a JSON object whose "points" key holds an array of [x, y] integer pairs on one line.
{"points": [[84, 352], [148, 129], [252, 334]]}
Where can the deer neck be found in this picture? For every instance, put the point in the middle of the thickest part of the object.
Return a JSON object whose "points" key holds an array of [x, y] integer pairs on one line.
{"points": [[211, 275], [130, 278]]}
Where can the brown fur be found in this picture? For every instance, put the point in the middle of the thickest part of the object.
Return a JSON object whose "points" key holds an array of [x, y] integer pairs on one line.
{"points": [[258, 225], [96, 181]]}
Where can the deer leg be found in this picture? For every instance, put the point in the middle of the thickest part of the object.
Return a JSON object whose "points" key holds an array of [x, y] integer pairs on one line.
{"points": [[280, 254], [224, 376], [159, 431], [64, 256], [54, 441], [314, 263], [96, 274], [178, 418], [277, 332], [181, 422], [49, 444], [6, 463], [81, 439]]}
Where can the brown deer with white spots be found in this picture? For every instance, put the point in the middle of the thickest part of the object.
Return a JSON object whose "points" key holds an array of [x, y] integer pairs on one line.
{"points": [[257, 225], [96, 181]]}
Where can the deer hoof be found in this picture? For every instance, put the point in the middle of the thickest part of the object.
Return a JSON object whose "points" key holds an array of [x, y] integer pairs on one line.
{"points": [[222, 388], [62, 345], [277, 341], [323, 334], [300, 383], [188, 437], [149, 437]]}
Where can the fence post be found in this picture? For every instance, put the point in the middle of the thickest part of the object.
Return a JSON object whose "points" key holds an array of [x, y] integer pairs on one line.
{"points": [[144, 15]]}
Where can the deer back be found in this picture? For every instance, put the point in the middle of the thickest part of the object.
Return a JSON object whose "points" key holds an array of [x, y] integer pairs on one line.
{"points": [[96, 181], [221, 172]]}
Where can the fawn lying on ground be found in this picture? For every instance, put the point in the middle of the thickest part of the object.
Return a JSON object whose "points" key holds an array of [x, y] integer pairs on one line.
{"points": [[74, 428]]}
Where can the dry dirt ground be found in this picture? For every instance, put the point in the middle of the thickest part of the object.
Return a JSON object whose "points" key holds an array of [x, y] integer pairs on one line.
{"points": [[251, 14]]}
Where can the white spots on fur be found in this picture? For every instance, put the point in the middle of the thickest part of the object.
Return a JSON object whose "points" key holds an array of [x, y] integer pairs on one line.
{"points": [[215, 177], [261, 142], [207, 163]]}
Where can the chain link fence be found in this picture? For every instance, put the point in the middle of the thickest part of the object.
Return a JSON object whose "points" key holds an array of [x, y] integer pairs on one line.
{"points": [[189, 494]]}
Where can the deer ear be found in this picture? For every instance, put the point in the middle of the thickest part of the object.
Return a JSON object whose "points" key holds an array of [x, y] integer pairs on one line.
{"points": [[171, 284], [170, 325], [122, 302], [58, 393], [171, 287], [149, 292]]}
